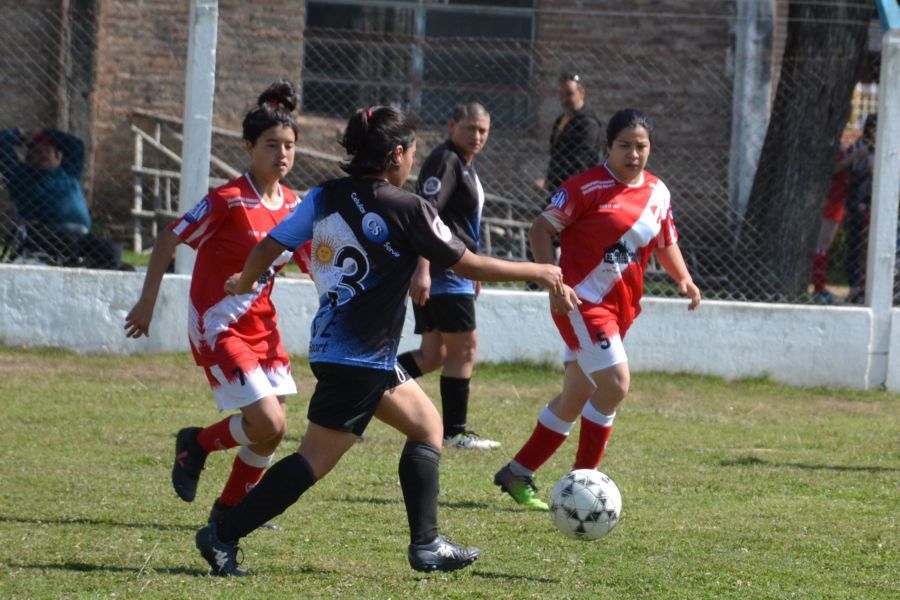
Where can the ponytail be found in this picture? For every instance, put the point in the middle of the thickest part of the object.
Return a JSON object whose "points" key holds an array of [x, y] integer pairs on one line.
{"points": [[273, 107], [371, 136]]}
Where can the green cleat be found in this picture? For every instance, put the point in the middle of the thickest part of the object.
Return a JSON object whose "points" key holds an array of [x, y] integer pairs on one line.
{"points": [[520, 487]]}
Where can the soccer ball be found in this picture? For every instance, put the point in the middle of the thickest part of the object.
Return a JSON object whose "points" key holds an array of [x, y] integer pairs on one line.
{"points": [[585, 504]]}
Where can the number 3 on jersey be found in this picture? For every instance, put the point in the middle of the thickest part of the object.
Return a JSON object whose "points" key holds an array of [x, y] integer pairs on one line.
{"points": [[354, 266]]}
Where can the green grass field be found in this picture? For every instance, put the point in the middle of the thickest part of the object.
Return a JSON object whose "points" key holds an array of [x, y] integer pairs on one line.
{"points": [[731, 490]]}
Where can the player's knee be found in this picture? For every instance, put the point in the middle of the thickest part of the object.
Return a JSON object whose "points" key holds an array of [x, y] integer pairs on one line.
{"points": [[433, 358], [268, 426]]}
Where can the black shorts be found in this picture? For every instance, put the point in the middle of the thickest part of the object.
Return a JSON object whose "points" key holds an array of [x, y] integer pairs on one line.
{"points": [[346, 397], [447, 313]]}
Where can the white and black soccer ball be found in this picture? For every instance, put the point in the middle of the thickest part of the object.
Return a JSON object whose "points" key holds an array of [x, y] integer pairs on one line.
{"points": [[585, 504]]}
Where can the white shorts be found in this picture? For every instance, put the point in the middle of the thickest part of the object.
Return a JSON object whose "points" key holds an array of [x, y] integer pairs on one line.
{"points": [[593, 357], [245, 389]]}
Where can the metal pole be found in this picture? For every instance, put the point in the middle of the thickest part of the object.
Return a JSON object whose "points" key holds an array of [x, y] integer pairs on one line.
{"points": [[200, 82], [885, 193]]}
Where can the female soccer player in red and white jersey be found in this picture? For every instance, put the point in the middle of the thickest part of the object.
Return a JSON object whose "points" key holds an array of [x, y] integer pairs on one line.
{"points": [[234, 338], [610, 219]]}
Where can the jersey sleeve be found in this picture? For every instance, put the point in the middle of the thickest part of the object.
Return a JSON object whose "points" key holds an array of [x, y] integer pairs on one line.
{"points": [[668, 235], [565, 206], [297, 228], [430, 236], [303, 257], [438, 179], [199, 223]]}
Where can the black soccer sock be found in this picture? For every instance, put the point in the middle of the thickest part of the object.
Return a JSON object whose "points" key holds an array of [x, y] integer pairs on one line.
{"points": [[455, 404], [408, 362], [281, 486], [419, 480]]}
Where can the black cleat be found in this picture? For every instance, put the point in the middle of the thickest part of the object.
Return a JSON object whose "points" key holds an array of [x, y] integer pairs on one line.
{"points": [[189, 461], [441, 555], [221, 557]]}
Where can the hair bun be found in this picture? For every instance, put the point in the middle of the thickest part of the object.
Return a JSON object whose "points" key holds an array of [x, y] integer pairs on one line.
{"points": [[281, 93]]}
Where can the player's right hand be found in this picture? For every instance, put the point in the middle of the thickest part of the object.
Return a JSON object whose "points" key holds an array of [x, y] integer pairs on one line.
{"points": [[420, 287], [549, 277], [137, 322]]}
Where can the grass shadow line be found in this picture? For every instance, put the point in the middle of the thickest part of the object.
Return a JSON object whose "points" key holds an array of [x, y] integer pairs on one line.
{"points": [[510, 577], [752, 461], [87, 521], [81, 567]]}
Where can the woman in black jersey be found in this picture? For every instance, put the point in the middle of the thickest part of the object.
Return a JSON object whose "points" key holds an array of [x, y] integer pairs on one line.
{"points": [[367, 236]]}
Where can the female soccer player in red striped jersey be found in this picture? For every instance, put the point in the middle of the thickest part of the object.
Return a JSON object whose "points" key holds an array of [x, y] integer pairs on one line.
{"points": [[609, 219], [234, 338]]}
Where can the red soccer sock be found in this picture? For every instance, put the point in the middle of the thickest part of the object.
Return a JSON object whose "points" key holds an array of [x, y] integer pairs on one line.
{"points": [[820, 269], [217, 436], [592, 441], [243, 476], [539, 447]]}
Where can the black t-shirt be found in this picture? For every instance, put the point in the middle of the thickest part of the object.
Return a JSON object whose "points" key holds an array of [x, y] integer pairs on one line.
{"points": [[367, 236], [454, 189]]}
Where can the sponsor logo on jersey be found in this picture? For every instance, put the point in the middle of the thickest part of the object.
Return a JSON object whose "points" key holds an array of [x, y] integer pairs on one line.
{"points": [[432, 186], [358, 203], [374, 227], [619, 254], [559, 198], [199, 211], [441, 229]]}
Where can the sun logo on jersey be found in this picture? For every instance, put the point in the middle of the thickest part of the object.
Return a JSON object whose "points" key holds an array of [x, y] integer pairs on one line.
{"points": [[324, 252]]}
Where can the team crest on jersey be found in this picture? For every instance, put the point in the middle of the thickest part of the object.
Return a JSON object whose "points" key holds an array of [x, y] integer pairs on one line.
{"points": [[559, 199], [441, 229], [198, 212], [432, 186], [374, 227]]}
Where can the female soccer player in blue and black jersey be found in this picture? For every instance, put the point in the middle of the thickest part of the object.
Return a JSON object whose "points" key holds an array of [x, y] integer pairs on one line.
{"points": [[367, 236]]}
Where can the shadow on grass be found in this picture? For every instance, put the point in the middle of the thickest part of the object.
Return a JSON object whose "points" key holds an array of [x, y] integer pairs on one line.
{"points": [[88, 568], [752, 461], [385, 501], [509, 577], [86, 521]]}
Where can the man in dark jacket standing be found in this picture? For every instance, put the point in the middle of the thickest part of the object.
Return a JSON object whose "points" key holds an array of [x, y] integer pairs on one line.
{"points": [[575, 138]]}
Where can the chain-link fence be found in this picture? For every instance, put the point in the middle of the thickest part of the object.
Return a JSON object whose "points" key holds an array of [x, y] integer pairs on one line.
{"points": [[708, 96]]}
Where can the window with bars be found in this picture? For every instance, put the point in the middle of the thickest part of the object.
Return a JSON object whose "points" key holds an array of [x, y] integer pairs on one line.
{"points": [[408, 54]]}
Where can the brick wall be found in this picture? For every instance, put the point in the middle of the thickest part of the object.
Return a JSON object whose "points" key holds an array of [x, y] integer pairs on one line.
{"points": [[665, 58], [141, 53]]}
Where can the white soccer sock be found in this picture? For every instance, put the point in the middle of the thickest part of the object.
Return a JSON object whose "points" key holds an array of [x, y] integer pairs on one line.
{"points": [[595, 416], [549, 420], [236, 428], [253, 459]]}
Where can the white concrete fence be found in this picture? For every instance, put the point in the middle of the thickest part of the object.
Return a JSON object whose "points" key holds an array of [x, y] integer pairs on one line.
{"points": [[84, 311]]}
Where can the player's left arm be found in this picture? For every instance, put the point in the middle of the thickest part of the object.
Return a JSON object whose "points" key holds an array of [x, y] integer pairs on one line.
{"points": [[672, 261]]}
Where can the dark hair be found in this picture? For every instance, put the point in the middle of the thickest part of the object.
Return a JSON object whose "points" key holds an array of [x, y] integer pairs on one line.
{"points": [[469, 110], [627, 118], [273, 107], [567, 76], [371, 136]]}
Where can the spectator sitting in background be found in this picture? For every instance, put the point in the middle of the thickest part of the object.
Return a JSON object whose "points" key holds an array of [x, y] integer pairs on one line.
{"points": [[859, 203], [45, 189], [575, 138]]}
